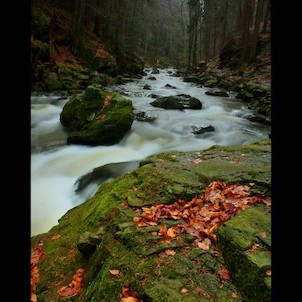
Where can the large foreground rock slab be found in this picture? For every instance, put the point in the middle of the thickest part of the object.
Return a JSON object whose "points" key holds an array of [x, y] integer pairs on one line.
{"points": [[102, 238]]}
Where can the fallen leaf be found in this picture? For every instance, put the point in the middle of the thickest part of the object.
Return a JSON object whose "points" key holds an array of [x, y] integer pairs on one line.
{"points": [[75, 286], [224, 272], [234, 295], [204, 244], [184, 290], [67, 291], [268, 272], [33, 298], [126, 292], [114, 272], [130, 299], [170, 252], [171, 233]]}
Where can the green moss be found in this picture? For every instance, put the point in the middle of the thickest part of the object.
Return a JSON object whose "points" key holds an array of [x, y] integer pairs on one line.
{"points": [[236, 238], [139, 254], [261, 259]]}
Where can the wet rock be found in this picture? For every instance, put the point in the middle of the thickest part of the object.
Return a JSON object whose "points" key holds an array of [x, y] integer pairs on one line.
{"points": [[177, 102], [217, 92], [202, 129], [88, 242], [144, 117]]}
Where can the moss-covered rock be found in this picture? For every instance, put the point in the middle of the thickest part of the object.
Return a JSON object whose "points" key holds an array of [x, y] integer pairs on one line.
{"points": [[245, 242], [101, 236], [97, 117]]}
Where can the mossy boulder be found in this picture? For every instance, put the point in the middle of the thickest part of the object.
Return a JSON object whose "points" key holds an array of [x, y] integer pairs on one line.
{"points": [[245, 242], [101, 236], [97, 117]]}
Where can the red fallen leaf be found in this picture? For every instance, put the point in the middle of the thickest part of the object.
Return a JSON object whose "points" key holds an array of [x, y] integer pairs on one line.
{"points": [[224, 273], [163, 230], [140, 222], [124, 203], [75, 286], [67, 291], [126, 292]]}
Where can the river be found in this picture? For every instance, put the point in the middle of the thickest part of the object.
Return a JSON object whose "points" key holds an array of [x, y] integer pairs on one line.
{"points": [[56, 166]]}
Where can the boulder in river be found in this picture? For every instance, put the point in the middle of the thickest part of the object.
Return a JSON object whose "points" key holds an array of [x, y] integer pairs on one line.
{"points": [[179, 101], [97, 117]]}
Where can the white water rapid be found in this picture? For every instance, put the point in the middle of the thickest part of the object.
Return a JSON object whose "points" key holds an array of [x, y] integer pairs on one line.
{"points": [[56, 166]]}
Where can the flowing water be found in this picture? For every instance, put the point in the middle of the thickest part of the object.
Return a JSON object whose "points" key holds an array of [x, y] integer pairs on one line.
{"points": [[56, 166]]}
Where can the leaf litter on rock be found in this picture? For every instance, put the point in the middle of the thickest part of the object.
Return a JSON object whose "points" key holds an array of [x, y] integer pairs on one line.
{"points": [[202, 216]]}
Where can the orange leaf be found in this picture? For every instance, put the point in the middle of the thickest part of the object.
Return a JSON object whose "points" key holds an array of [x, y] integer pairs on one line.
{"points": [[114, 272], [224, 273], [130, 299], [171, 233], [67, 291], [184, 290], [170, 252]]}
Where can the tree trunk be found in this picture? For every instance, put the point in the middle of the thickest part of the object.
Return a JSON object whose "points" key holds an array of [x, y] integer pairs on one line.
{"points": [[79, 21], [258, 17], [224, 24], [266, 17], [246, 17]]}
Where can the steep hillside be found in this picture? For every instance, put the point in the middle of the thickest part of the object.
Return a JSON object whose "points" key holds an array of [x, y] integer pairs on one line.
{"points": [[58, 65]]}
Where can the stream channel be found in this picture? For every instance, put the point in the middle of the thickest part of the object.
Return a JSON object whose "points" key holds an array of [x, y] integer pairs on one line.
{"points": [[56, 166]]}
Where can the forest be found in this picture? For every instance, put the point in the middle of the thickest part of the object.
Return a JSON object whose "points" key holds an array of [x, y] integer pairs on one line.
{"points": [[106, 35]]}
